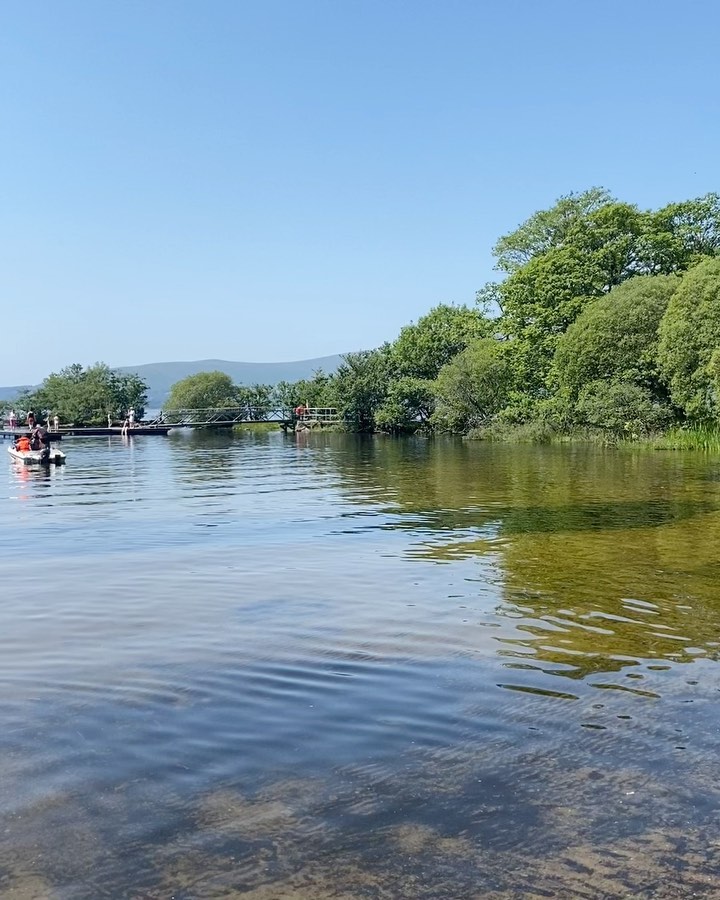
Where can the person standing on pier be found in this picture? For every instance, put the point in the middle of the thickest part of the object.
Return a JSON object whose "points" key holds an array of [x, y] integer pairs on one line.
{"points": [[56, 422], [12, 420], [31, 419]]}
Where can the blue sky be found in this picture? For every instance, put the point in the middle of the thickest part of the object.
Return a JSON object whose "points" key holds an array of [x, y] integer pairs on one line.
{"points": [[279, 180]]}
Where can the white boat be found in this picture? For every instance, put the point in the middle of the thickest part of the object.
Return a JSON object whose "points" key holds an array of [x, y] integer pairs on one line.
{"points": [[46, 457]]}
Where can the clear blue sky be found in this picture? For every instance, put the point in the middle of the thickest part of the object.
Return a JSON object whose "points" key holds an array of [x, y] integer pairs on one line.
{"points": [[279, 180]]}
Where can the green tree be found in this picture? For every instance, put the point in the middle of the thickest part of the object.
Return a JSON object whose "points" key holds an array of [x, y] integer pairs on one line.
{"points": [[313, 392], [88, 396], [621, 407], [474, 386], [361, 382], [689, 341], [615, 338], [204, 390], [560, 259], [423, 348], [547, 228], [683, 233], [539, 302], [258, 399], [408, 405]]}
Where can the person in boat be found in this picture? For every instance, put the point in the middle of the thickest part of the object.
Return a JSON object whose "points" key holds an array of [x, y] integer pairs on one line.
{"points": [[40, 438], [22, 444]]}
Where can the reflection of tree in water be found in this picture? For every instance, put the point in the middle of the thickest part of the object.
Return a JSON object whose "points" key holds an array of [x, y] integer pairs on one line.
{"points": [[204, 455], [607, 558]]}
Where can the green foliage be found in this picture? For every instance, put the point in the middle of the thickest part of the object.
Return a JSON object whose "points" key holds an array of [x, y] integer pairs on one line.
{"points": [[87, 396], [696, 437], [622, 408], [315, 391], [540, 301], [204, 390], [583, 247], [423, 348], [547, 228], [258, 400], [361, 386], [474, 386], [408, 405], [615, 338], [686, 232], [689, 339]]}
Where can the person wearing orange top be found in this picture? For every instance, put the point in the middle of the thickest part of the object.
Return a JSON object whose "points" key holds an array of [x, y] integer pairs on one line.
{"points": [[23, 444]]}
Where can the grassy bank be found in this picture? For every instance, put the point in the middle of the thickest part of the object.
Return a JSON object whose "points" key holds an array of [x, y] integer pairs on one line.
{"points": [[690, 438], [698, 438]]}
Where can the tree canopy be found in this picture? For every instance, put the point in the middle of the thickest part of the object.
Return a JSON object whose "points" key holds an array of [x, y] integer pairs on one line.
{"points": [[88, 396], [607, 316], [615, 337], [690, 340], [203, 391]]}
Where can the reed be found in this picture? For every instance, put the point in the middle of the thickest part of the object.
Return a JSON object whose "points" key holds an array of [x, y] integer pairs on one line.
{"points": [[698, 437]]}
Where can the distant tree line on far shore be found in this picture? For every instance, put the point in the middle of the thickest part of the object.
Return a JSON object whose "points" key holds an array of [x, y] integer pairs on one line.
{"points": [[607, 317]]}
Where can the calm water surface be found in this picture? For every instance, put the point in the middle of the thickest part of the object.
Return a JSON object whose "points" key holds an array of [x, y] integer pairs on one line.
{"points": [[330, 667]]}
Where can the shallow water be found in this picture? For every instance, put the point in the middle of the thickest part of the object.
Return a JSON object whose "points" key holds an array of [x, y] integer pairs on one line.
{"points": [[269, 666]]}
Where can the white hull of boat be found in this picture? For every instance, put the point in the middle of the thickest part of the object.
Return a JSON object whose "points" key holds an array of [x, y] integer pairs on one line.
{"points": [[36, 457]]}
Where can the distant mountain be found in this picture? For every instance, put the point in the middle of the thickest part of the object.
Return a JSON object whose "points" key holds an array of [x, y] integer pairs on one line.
{"points": [[161, 376], [10, 393]]}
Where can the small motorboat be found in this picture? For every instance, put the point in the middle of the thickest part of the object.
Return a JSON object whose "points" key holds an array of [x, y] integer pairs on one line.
{"points": [[45, 457]]}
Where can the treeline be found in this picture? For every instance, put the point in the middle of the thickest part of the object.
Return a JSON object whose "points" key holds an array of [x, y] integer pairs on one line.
{"points": [[607, 317], [86, 396]]}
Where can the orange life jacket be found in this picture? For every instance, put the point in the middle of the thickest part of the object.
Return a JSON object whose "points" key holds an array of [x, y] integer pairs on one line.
{"points": [[23, 445]]}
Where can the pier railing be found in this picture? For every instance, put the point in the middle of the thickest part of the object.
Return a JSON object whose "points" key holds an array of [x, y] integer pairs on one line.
{"points": [[318, 414], [237, 415], [228, 415]]}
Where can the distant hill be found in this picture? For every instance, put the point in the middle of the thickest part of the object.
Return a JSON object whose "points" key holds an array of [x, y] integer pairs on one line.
{"points": [[161, 376], [10, 393]]}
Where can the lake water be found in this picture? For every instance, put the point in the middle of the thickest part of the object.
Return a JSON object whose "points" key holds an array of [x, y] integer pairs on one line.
{"points": [[278, 667]]}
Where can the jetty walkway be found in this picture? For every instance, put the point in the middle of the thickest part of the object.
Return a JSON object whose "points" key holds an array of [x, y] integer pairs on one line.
{"points": [[223, 417]]}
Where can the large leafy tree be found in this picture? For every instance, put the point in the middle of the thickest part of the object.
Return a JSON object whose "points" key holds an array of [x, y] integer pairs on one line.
{"points": [[362, 381], [690, 340], [547, 228], [621, 407], [416, 357], [258, 400], [423, 348], [408, 405], [88, 396], [615, 338], [204, 390], [683, 233], [561, 259], [474, 386]]}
